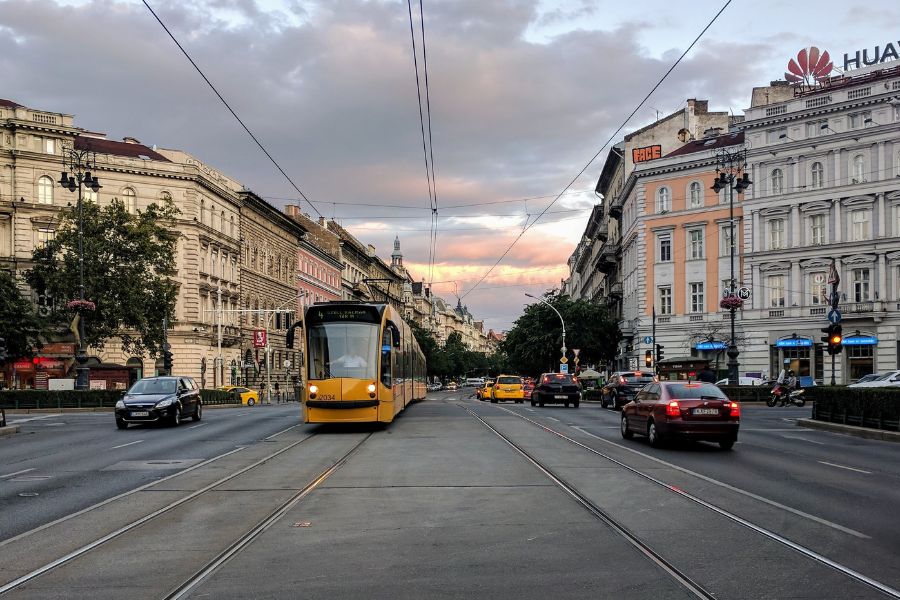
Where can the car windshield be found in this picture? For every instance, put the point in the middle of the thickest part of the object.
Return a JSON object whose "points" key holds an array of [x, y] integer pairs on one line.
{"points": [[510, 380], [153, 386], [694, 390]]}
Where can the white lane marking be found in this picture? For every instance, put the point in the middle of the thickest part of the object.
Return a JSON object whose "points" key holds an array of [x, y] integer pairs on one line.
{"points": [[797, 437], [766, 429], [738, 490], [16, 473], [845, 467], [553, 419], [282, 431], [196, 426], [27, 419], [128, 444], [530, 409]]}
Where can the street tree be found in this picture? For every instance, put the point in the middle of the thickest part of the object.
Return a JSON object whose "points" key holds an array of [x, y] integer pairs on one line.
{"points": [[533, 344], [20, 327], [129, 262]]}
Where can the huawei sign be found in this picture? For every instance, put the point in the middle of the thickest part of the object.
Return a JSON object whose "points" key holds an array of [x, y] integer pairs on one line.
{"points": [[810, 67]]}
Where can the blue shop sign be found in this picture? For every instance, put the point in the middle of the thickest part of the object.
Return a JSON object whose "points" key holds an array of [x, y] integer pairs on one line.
{"points": [[794, 343], [861, 340], [711, 346]]}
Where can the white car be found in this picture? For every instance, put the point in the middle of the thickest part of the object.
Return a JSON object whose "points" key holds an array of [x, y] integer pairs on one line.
{"points": [[744, 381], [889, 379]]}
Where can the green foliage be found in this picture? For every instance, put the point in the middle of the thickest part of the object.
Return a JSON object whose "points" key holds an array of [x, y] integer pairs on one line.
{"points": [[129, 261], [533, 344], [25, 399], [878, 408], [19, 325]]}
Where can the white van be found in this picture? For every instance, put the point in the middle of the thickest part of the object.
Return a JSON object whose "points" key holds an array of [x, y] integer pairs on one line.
{"points": [[474, 381]]}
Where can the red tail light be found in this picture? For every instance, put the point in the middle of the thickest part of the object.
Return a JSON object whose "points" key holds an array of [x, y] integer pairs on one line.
{"points": [[735, 409], [673, 409], [622, 380]]}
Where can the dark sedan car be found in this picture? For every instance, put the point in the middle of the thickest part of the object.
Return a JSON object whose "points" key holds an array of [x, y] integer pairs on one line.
{"points": [[556, 388], [622, 386], [155, 399], [699, 411]]}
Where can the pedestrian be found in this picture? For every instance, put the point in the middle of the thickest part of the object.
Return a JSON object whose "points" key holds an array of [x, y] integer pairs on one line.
{"points": [[277, 394], [262, 393]]}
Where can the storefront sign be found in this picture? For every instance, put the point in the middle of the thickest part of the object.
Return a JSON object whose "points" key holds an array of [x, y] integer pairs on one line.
{"points": [[810, 67], [646, 153], [794, 343], [63, 348], [23, 364], [861, 340], [867, 58], [711, 346]]}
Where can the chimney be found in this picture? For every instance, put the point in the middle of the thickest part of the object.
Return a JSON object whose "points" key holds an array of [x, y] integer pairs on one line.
{"points": [[292, 210], [131, 140], [712, 132], [698, 107], [370, 250], [322, 221]]}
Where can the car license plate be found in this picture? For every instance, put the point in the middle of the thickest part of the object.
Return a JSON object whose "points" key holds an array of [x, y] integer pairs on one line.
{"points": [[561, 397], [706, 411], [140, 413]]}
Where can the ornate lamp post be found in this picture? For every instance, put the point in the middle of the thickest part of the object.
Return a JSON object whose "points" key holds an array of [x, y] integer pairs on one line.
{"points": [[541, 300], [80, 163], [731, 169]]}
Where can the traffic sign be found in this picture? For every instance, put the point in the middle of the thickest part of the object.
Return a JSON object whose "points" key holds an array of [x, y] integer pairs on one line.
{"points": [[834, 316], [563, 368], [632, 361], [563, 360], [648, 339], [744, 293], [727, 293]]}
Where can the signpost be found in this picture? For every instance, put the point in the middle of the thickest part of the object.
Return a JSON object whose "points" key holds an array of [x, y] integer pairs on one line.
{"points": [[563, 368], [744, 293], [834, 316], [648, 339]]}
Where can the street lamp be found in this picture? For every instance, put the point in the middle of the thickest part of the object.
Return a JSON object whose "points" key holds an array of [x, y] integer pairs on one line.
{"points": [[80, 163], [560, 320], [731, 169]]}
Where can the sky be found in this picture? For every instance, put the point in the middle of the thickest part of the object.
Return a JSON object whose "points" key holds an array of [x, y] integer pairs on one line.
{"points": [[522, 94]]}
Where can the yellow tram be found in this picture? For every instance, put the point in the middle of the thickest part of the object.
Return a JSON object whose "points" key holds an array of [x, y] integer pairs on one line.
{"points": [[363, 363]]}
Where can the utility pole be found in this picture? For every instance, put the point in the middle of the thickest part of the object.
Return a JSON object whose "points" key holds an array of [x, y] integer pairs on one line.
{"points": [[220, 371], [653, 335]]}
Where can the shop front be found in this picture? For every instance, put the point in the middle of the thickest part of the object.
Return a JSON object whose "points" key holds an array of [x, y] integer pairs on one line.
{"points": [[860, 351], [804, 356]]}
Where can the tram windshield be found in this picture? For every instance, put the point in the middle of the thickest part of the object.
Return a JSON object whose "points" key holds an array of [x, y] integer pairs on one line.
{"points": [[343, 350]]}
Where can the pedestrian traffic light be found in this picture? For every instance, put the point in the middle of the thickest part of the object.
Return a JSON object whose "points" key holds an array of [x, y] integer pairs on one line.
{"points": [[167, 361], [835, 340], [659, 352], [648, 358]]}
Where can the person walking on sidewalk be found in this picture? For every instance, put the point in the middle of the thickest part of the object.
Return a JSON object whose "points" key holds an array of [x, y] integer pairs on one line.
{"points": [[277, 394]]}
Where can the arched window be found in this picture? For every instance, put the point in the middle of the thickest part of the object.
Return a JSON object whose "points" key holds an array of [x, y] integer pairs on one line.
{"points": [[212, 215], [858, 169], [222, 222], [202, 211], [129, 199], [777, 181], [45, 190], [817, 175], [232, 226], [695, 192], [663, 200]]}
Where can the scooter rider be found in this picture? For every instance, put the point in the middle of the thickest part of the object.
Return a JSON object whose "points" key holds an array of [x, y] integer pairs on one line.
{"points": [[790, 384], [782, 387]]}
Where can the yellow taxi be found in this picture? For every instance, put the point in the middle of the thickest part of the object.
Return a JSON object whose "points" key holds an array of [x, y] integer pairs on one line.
{"points": [[484, 392], [508, 387], [248, 397]]}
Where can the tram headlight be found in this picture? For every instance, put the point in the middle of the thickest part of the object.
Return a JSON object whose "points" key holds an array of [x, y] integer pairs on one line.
{"points": [[313, 390], [371, 390]]}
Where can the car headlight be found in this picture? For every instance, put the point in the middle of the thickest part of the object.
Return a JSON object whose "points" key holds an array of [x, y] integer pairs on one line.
{"points": [[120, 404], [165, 403]]}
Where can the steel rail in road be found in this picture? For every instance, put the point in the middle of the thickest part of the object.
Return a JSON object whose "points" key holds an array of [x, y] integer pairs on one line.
{"points": [[807, 552], [680, 577], [18, 582], [245, 540]]}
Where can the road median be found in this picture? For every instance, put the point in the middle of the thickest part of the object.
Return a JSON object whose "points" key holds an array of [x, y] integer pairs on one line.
{"points": [[862, 432]]}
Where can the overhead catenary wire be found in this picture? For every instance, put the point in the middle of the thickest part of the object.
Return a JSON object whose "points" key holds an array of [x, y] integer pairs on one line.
{"points": [[608, 141], [231, 110], [430, 145]]}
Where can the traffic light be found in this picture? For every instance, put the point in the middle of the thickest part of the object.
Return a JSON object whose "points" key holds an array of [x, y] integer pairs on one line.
{"points": [[659, 352], [836, 340], [289, 338], [4, 352], [648, 358], [167, 359]]}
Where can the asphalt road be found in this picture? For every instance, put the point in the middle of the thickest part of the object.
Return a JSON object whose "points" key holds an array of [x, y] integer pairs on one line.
{"points": [[437, 505]]}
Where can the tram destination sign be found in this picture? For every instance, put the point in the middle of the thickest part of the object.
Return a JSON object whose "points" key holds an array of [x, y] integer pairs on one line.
{"points": [[359, 313]]}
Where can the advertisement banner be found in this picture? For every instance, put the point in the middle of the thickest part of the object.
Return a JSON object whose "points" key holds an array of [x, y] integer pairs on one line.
{"points": [[259, 338]]}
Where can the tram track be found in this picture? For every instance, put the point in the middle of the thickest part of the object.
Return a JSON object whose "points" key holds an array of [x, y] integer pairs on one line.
{"points": [[221, 557], [642, 546]]}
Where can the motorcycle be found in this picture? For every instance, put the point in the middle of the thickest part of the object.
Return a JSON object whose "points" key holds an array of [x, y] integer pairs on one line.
{"points": [[786, 396]]}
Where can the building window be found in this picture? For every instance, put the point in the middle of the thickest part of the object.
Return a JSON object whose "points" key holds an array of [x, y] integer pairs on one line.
{"points": [[816, 128], [696, 193], [858, 120], [816, 230], [697, 302], [665, 300], [858, 169], [89, 195], [202, 211], [817, 175], [695, 237], [45, 190], [777, 181], [860, 285], [776, 290], [129, 199], [222, 221], [859, 220], [665, 248], [203, 251], [817, 289], [232, 227], [663, 200], [725, 241], [44, 236], [776, 234], [773, 136]]}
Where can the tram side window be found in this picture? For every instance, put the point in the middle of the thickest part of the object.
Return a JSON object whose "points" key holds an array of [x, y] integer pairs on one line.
{"points": [[386, 357]]}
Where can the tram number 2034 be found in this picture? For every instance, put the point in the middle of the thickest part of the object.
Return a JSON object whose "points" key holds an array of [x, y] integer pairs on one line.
{"points": [[326, 397]]}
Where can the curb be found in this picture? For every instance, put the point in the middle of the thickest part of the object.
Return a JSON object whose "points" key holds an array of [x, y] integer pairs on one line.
{"points": [[9, 430], [861, 432], [105, 409]]}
